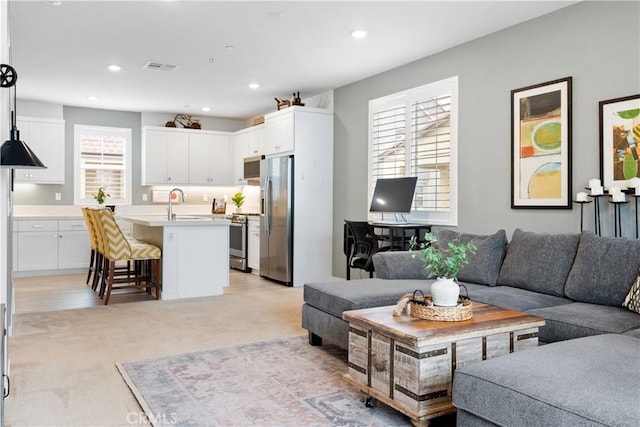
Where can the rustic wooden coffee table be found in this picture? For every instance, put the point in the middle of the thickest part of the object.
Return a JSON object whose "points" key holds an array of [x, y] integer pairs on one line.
{"points": [[408, 363]]}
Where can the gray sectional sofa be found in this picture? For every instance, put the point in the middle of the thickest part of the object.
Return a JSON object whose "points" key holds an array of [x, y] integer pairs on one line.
{"points": [[576, 282]]}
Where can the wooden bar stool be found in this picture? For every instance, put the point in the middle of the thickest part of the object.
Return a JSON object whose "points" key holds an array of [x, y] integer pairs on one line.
{"points": [[94, 262], [146, 259]]}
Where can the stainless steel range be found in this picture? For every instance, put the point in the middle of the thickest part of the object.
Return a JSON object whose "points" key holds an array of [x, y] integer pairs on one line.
{"points": [[238, 243]]}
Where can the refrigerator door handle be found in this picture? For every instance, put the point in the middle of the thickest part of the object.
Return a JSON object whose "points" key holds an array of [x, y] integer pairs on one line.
{"points": [[267, 205]]}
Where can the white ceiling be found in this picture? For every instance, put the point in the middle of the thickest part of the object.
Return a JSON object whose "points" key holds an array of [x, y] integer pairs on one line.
{"points": [[61, 52]]}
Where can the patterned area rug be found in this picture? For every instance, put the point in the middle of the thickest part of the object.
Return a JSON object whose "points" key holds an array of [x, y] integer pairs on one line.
{"points": [[283, 382]]}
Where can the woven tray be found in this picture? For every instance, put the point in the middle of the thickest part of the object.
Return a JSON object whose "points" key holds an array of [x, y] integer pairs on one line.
{"points": [[420, 308]]}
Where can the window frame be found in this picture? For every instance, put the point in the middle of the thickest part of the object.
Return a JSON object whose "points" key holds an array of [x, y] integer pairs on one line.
{"points": [[77, 162], [448, 86]]}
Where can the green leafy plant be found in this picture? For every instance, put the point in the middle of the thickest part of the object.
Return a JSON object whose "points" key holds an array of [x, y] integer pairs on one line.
{"points": [[101, 195], [443, 261], [238, 199]]}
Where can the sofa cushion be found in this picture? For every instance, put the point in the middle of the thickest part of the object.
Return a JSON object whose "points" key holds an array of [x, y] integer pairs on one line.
{"points": [[399, 265], [539, 262], [336, 297], [514, 298], [579, 319], [484, 266], [604, 269], [550, 386]]}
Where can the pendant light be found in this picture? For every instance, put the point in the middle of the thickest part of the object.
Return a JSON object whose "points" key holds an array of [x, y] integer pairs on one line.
{"points": [[15, 154]]}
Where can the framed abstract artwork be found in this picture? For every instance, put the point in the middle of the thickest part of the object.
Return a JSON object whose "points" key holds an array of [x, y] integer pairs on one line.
{"points": [[541, 146], [619, 140]]}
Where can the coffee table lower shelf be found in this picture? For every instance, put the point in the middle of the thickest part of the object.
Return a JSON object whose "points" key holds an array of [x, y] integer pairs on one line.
{"points": [[416, 419]]}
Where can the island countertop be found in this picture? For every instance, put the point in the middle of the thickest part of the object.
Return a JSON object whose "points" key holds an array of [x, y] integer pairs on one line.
{"points": [[181, 220]]}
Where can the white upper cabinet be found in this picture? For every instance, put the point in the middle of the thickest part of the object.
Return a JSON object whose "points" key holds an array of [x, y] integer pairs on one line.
{"points": [[186, 157], [253, 146], [45, 137], [238, 150], [209, 159], [279, 133], [165, 157]]}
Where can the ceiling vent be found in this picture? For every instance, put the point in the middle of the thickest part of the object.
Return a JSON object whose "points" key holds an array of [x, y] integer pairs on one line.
{"points": [[152, 65]]}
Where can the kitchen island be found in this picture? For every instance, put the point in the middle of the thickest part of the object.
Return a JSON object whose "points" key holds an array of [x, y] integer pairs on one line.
{"points": [[195, 252]]}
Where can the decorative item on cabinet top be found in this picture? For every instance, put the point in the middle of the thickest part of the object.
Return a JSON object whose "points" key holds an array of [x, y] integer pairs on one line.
{"points": [[295, 100], [185, 120]]}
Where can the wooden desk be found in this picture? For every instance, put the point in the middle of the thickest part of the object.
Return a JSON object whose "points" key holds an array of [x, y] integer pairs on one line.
{"points": [[395, 235], [398, 235]]}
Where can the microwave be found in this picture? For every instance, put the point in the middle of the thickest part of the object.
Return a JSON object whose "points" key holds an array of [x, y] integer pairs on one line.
{"points": [[252, 167]]}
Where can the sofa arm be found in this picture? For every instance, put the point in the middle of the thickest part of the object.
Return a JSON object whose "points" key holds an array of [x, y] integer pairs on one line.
{"points": [[399, 265]]}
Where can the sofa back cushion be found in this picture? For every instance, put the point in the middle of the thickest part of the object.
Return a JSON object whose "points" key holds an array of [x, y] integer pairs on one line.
{"points": [[399, 265], [484, 266], [539, 262], [604, 270]]}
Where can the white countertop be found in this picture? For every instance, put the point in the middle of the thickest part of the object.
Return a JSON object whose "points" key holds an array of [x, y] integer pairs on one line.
{"points": [[71, 212], [181, 220]]}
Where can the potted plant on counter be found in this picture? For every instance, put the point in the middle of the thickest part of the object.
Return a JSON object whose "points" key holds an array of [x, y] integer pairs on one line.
{"points": [[443, 263], [238, 200], [101, 197]]}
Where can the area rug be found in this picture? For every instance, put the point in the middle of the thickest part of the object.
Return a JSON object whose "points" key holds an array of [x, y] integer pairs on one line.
{"points": [[283, 382]]}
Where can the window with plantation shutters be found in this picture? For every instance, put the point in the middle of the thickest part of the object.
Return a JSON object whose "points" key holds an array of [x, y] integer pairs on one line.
{"points": [[102, 159], [414, 133]]}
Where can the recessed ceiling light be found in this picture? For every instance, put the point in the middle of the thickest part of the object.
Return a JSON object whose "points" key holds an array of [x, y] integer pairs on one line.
{"points": [[92, 98], [359, 34], [275, 14], [54, 2], [254, 85], [229, 47], [206, 109], [114, 67]]}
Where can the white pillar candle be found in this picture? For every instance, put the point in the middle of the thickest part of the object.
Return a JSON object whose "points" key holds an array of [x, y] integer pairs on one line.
{"points": [[581, 197], [633, 182], [594, 183], [638, 190], [614, 189], [618, 197], [597, 190]]}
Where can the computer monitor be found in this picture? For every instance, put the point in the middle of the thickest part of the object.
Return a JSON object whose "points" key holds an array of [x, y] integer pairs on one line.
{"points": [[393, 195]]}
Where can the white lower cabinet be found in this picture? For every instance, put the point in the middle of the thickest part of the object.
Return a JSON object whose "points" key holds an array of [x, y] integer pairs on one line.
{"points": [[74, 250], [253, 245], [50, 245]]}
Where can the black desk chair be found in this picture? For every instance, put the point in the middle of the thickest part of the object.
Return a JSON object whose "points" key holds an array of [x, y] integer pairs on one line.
{"points": [[363, 246]]}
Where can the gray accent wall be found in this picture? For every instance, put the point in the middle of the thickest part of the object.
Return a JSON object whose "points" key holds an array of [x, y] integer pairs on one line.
{"points": [[596, 43]]}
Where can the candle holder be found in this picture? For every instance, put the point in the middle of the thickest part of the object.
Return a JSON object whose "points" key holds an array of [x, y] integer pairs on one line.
{"points": [[636, 196], [596, 212], [582, 203], [617, 222]]}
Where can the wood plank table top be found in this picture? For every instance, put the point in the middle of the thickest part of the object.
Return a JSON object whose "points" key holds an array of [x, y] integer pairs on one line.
{"points": [[418, 332]]}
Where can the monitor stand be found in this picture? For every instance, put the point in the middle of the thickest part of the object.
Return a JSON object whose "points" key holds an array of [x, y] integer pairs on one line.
{"points": [[396, 219]]}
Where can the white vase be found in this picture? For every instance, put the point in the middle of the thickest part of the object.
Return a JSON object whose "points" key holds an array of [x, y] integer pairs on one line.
{"points": [[445, 292]]}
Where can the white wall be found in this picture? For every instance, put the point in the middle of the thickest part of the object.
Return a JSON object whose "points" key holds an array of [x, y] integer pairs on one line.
{"points": [[594, 42]]}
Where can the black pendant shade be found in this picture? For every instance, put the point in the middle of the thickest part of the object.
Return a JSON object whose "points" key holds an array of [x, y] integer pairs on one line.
{"points": [[17, 154]]}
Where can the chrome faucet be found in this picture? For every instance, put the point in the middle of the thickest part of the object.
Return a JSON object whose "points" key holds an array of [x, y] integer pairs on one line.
{"points": [[170, 215]]}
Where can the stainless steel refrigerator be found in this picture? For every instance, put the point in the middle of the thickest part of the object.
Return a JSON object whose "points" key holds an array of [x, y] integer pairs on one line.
{"points": [[276, 221]]}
